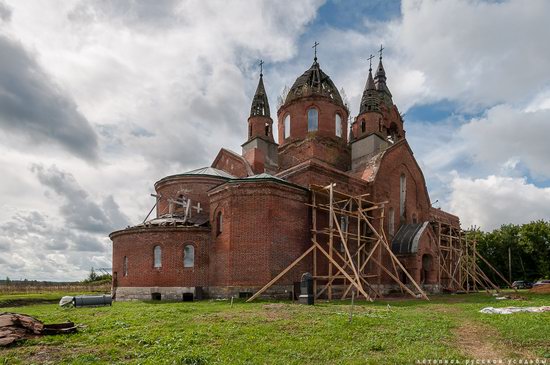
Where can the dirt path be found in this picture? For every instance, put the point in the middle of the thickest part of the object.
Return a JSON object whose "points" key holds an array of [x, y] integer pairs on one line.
{"points": [[477, 341]]}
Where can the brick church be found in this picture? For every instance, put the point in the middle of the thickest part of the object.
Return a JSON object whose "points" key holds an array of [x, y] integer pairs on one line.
{"points": [[228, 229]]}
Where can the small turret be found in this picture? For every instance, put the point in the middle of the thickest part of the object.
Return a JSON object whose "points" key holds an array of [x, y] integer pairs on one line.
{"points": [[260, 150], [260, 104], [370, 100], [260, 123], [380, 80]]}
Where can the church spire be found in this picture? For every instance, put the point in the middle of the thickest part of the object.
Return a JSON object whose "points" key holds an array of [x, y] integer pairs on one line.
{"points": [[369, 100], [380, 77], [260, 104], [370, 81]]}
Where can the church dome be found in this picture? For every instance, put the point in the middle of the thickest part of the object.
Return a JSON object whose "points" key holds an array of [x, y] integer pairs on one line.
{"points": [[314, 82]]}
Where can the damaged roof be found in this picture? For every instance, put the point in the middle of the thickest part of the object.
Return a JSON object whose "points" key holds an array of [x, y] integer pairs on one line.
{"points": [[175, 220]]}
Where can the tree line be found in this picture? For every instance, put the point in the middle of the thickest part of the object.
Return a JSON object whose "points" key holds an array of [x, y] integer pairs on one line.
{"points": [[526, 248]]}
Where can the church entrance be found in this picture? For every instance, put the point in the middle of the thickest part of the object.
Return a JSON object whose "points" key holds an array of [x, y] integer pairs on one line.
{"points": [[425, 272]]}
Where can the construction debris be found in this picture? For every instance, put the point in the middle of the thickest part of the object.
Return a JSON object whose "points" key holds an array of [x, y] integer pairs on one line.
{"points": [[510, 310], [541, 289], [15, 326]]}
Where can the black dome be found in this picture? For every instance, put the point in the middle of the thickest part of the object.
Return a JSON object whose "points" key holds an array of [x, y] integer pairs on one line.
{"points": [[314, 82]]}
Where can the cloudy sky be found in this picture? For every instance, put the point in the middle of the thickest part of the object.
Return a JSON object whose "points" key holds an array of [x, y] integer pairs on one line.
{"points": [[100, 99]]}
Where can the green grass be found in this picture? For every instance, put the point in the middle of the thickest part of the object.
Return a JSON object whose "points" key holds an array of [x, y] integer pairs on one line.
{"points": [[46, 296], [213, 332]]}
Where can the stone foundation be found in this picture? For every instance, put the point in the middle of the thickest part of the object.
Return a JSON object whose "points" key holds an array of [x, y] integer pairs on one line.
{"points": [[221, 292], [146, 293]]}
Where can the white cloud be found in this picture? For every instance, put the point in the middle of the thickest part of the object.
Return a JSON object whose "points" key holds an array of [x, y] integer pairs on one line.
{"points": [[476, 52], [496, 200], [507, 134], [163, 84]]}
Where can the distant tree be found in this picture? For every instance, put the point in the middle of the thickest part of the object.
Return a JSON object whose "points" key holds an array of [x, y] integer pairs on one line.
{"points": [[93, 275], [529, 245], [8, 281], [535, 241]]}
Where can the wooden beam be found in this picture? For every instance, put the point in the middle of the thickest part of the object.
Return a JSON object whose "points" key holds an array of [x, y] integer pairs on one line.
{"points": [[274, 280]]}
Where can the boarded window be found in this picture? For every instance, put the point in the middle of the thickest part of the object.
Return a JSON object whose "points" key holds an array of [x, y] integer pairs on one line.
{"points": [[287, 126], [402, 195], [157, 256], [219, 223], [344, 223], [338, 125], [189, 256], [391, 222], [125, 266], [312, 120]]}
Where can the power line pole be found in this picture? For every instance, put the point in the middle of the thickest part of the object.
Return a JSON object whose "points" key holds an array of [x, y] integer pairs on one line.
{"points": [[509, 263]]}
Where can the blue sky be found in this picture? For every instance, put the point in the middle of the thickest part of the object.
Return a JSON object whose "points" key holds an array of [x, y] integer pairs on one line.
{"points": [[98, 100]]}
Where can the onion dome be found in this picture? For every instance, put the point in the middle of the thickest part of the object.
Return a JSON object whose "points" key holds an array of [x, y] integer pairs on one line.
{"points": [[314, 82]]}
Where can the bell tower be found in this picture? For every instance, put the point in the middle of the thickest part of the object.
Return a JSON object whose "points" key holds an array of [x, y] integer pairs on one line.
{"points": [[260, 150], [378, 124]]}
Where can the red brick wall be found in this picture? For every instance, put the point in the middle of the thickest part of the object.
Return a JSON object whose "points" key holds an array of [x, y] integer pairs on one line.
{"points": [[439, 215], [231, 163], [328, 147], [396, 161], [138, 245], [265, 227], [334, 152], [318, 173], [378, 122], [256, 127]]}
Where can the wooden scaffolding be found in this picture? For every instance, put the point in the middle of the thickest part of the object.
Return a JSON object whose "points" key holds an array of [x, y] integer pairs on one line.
{"points": [[458, 269], [349, 248]]}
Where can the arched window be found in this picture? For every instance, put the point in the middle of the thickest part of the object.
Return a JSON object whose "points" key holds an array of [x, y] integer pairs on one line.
{"points": [[286, 127], [344, 220], [157, 256], [402, 195], [338, 125], [249, 131], [219, 223], [414, 219], [312, 120], [188, 256], [267, 129], [391, 222], [393, 132], [125, 266], [363, 126]]}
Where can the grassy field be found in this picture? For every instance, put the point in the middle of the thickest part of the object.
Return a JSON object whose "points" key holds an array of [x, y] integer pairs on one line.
{"points": [[214, 332]]}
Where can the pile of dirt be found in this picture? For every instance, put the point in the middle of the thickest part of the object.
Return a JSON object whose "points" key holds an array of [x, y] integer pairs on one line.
{"points": [[15, 326], [541, 289]]}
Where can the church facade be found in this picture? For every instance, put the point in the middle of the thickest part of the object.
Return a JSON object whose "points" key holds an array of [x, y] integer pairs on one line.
{"points": [[228, 229]]}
